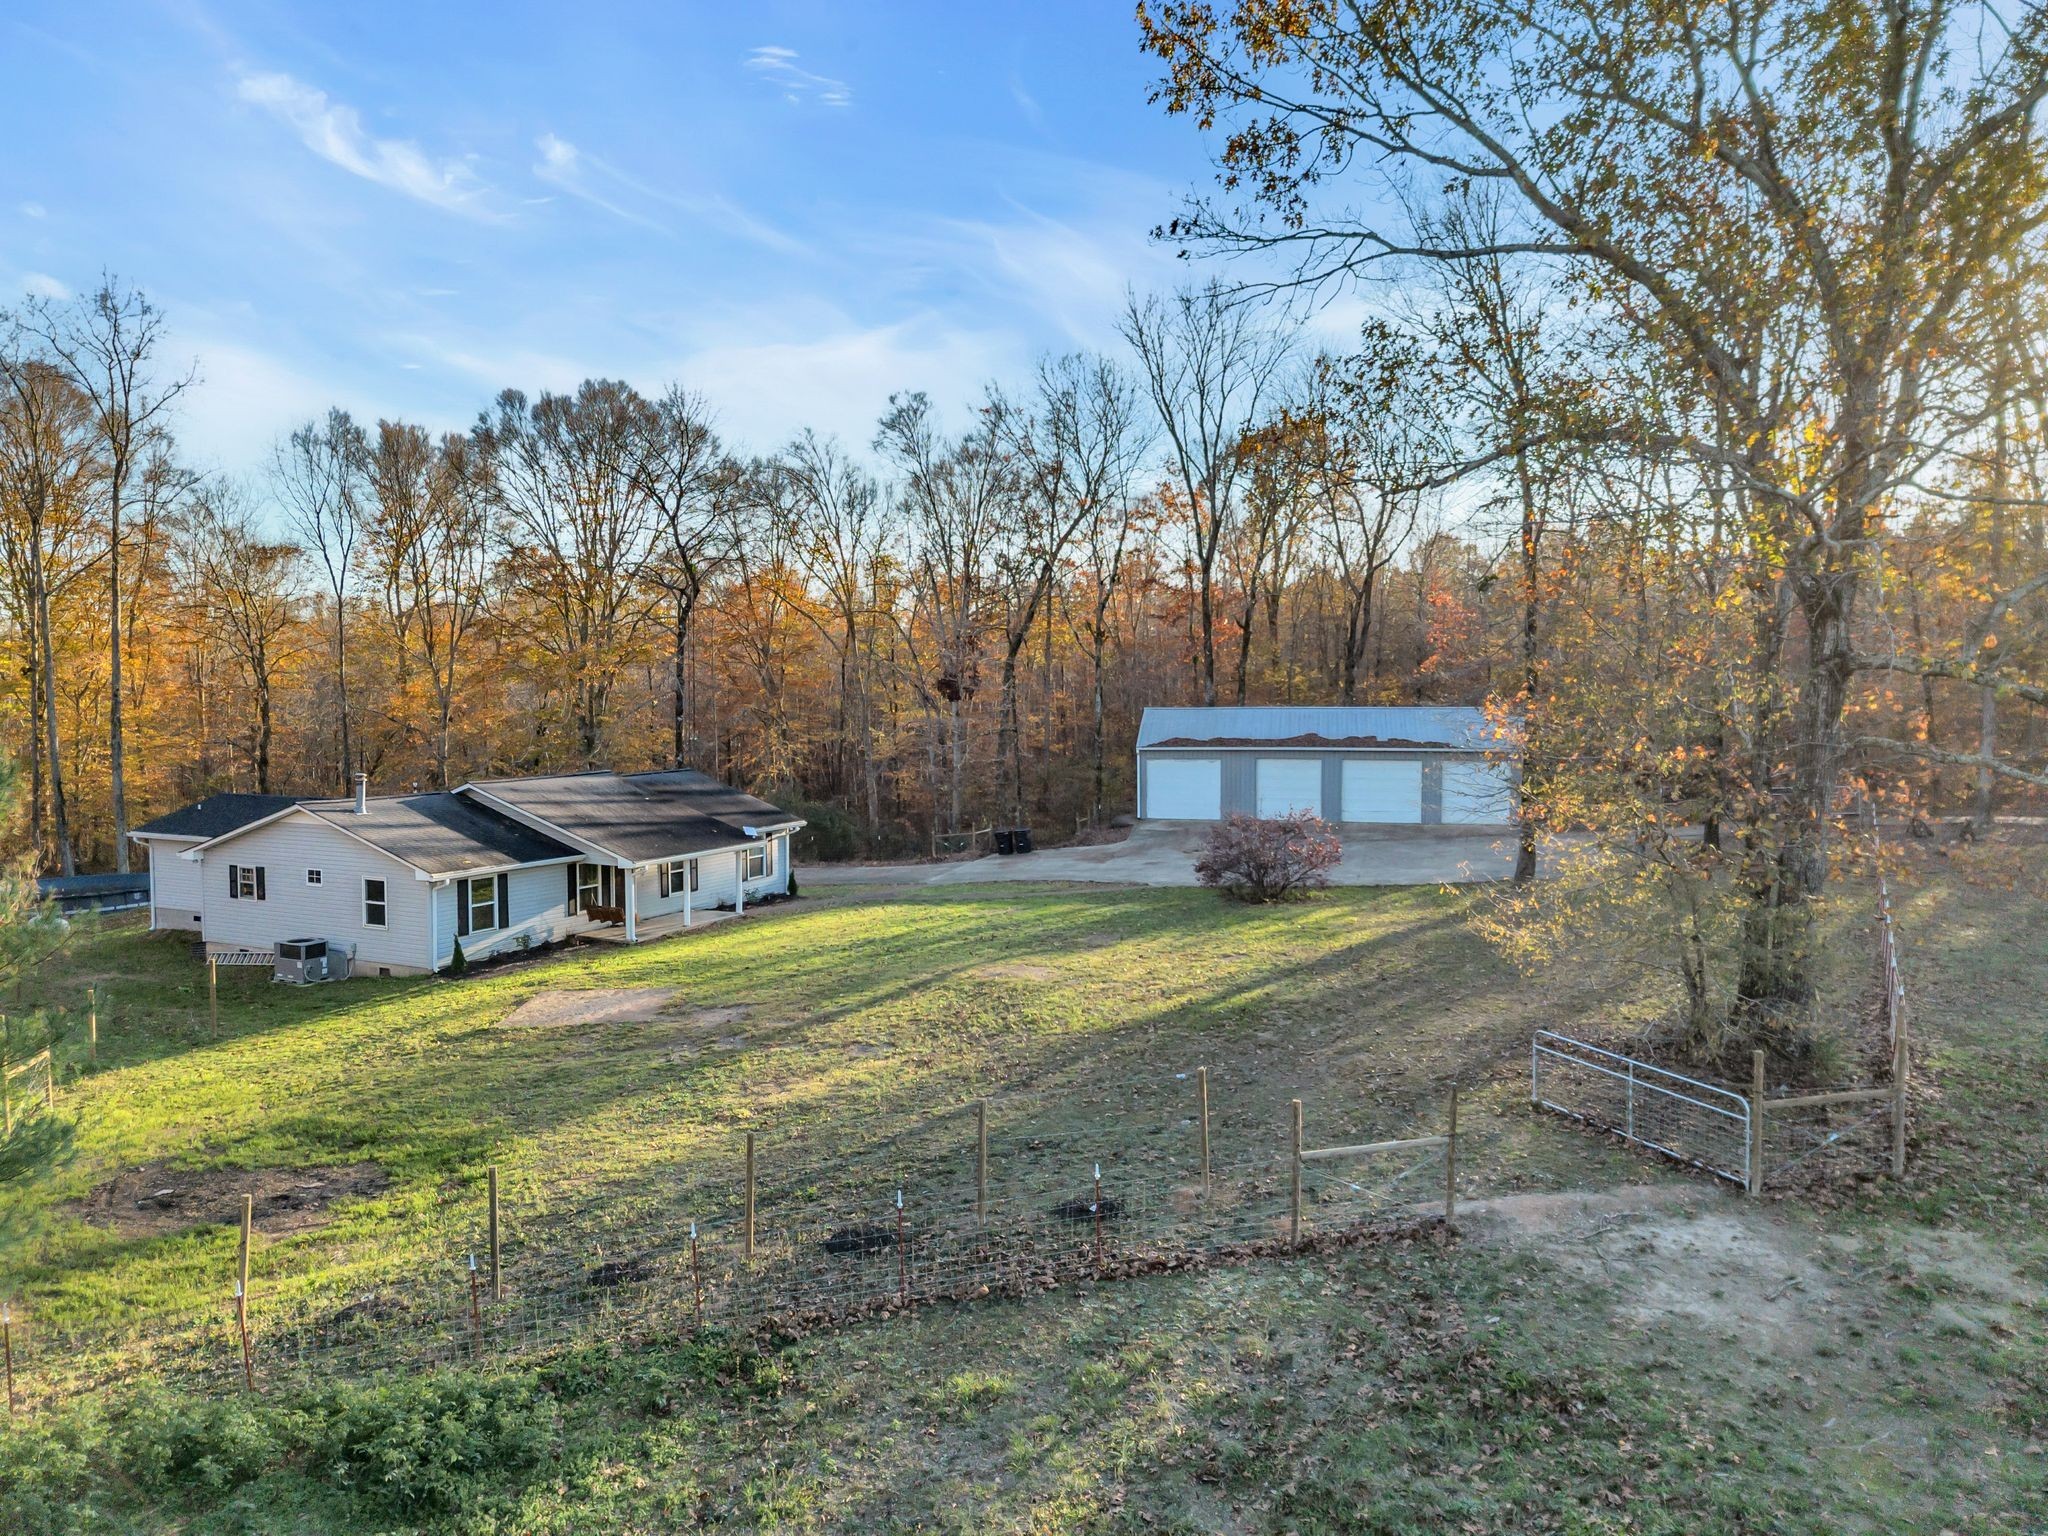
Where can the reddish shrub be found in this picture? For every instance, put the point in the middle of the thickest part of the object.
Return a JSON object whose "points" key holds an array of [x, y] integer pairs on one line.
{"points": [[1268, 860]]}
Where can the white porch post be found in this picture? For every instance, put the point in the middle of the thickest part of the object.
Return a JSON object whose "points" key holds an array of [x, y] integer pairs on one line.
{"points": [[739, 889], [689, 879], [632, 936]]}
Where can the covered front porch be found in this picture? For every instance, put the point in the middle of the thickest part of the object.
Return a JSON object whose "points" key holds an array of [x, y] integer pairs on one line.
{"points": [[659, 925], [630, 903]]}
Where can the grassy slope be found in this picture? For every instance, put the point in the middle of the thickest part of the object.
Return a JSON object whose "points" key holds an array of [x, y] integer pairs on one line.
{"points": [[1481, 1388]]}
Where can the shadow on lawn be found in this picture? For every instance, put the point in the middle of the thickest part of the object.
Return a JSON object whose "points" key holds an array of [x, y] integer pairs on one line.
{"points": [[1304, 1001]]}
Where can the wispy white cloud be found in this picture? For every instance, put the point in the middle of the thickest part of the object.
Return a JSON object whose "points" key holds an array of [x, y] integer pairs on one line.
{"points": [[32, 210], [779, 66], [562, 164], [334, 131], [1027, 103], [603, 185], [836, 375], [43, 286]]}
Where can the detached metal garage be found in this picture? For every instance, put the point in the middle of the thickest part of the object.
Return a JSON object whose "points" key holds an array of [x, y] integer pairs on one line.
{"points": [[1417, 765]]}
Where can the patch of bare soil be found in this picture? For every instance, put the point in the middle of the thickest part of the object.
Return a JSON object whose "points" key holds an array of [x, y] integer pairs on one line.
{"points": [[603, 1005], [1672, 1251], [1729, 1265], [716, 1018], [156, 1199]]}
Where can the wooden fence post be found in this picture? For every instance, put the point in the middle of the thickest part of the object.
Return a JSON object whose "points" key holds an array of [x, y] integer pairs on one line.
{"points": [[1451, 1162], [242, 1294], [1294, 1191], [1901, 1072], [213, 994], [749, 1229], [7, 1350], [1756, 1122], [497, 1275], [981, 1161], [92, 1026], [1202, 1098]]}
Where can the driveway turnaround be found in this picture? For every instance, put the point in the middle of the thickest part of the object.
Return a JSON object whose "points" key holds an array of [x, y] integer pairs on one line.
{"points": [[1164, 852]]}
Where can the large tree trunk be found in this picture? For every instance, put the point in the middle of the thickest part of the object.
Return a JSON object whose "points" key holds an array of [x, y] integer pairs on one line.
{"points": [[341, 688], [1208, 615], [1009, 750], [1525, 824], [60, 816], [117, 775], [679, 698]]}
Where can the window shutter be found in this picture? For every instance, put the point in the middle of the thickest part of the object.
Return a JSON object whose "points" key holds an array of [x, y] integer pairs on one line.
{"points": [[234, 882], [259, 882], [504, 901], [462, 909], [571, 868]]}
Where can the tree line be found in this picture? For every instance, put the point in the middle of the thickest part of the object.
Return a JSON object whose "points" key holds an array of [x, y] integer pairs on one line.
{"points": [[1695, 430], [956, 621]]}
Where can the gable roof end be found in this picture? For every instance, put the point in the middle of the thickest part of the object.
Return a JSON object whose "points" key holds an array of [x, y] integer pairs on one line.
{"points": [[215, 816]]}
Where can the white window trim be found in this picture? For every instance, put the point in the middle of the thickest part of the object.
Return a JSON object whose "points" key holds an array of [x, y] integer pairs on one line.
{"points": [[316, 877], [490, 885], [758, 852], [245, 883], [384, 901]]}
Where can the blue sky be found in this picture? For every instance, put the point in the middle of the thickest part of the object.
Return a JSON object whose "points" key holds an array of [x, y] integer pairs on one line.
{"points": [[792, 208]]}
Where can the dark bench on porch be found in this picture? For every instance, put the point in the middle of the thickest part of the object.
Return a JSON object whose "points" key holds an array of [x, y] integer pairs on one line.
{"points": [[616, 916]]}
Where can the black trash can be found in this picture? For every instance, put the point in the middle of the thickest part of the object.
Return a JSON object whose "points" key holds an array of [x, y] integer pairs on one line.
{"points": [[1006, 840], [1024, 840]]}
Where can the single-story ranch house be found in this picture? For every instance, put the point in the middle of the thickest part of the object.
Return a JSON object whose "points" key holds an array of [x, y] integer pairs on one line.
{"points": [[1426, 765], [495, 864]]}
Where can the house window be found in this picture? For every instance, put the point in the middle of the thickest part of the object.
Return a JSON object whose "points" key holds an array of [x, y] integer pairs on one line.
{"points": [[483, 904], [678, 873], [586, 887], [375, 911], [313, 877], [757, 862], [245, 882]]}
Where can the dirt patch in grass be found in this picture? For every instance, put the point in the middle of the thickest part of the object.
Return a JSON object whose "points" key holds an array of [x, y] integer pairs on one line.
{"points": [[716, 1018], [1674, 1251], [156, 1199], [606, 1005]]}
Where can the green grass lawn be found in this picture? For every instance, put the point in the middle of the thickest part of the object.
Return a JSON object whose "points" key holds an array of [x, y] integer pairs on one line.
{"points": [[1499, 1382]]}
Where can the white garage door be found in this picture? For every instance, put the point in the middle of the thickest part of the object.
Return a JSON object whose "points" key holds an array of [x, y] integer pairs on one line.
{"points": [[1290, 784], [1478, 792], [1381, 791], [1184, 788]]}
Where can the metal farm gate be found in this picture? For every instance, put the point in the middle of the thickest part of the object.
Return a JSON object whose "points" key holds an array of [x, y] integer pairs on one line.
{"points": [[1697, 1123]]}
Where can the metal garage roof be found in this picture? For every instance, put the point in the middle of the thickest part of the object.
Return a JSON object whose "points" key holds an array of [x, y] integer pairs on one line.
{"points": [[1438, 725]]}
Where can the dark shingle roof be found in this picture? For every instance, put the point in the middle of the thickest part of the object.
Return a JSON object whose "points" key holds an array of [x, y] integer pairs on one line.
{"points": [[641, 816], [441, 833], [214, 816]]}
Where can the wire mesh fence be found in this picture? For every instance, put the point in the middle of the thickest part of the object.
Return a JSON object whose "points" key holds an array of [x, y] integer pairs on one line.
{"points": [[796, 1241], [27, 1088], [1752, 1139], [1826, 1142]]}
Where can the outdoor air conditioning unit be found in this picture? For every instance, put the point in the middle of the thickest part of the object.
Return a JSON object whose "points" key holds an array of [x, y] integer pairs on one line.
{"points": [[301, 960]]}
